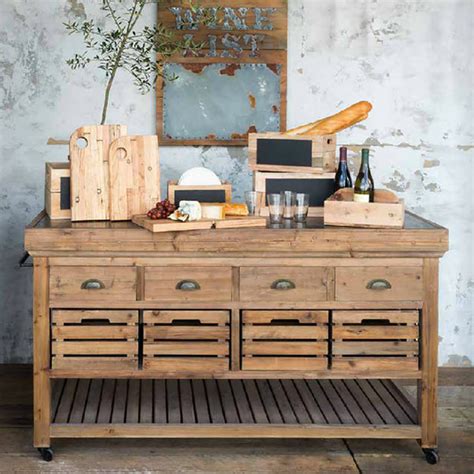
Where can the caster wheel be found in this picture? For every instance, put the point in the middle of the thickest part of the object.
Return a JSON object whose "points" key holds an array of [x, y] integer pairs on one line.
{"points": [[46, 454], [431, 455]]}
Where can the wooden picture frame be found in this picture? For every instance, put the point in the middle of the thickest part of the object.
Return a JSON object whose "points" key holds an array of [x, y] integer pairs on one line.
{"points": [[322, 159]]}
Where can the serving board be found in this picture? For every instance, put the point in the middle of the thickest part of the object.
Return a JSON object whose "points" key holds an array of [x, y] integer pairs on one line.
{"points": [[386, 211], [134, 167], [167, 225], [90, 171]]}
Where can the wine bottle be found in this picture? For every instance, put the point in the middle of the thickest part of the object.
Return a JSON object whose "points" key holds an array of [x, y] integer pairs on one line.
{"points": [[364, 185], [343, 176]]}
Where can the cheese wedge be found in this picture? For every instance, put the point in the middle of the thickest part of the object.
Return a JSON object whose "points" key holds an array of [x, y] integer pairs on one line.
{"points": [[212, 210], [236, 209]]}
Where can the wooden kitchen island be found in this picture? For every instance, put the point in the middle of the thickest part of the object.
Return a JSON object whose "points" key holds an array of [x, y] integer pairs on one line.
{"points": [[276, 332]]}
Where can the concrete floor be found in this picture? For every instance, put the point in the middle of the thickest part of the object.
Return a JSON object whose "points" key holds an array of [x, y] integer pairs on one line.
{"points": [[456, 421]]}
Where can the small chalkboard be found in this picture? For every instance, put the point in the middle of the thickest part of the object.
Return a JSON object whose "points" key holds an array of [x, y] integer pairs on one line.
{"points": [[65, 194], [201, 195], [283, 152], [318, 189]]}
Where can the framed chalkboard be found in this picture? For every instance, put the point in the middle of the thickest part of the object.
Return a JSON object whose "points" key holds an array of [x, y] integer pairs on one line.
{"points": [[284, 152], [319, 187], [216, 193]]}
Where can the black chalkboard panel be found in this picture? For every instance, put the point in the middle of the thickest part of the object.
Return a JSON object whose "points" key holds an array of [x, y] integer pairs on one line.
{"points": [[202, 195], [284, 152], [65, 194], [318, 189]]}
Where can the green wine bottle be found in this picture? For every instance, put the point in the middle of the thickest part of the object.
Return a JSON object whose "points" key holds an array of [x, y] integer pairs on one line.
{"points": [[364, 184]]}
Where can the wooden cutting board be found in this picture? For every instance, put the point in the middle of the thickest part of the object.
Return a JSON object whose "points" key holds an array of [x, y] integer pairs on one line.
{"points": [[90, 170], [167, 225], [134, 170]]}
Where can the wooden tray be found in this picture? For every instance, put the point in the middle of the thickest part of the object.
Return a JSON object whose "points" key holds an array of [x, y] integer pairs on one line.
{"points": [[167, 225], [386, 210]]}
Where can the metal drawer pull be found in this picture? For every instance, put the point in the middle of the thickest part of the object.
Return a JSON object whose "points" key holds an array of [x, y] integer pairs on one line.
{"points": [[379, 284], [283, 285], [92, 284], [188, 285]]}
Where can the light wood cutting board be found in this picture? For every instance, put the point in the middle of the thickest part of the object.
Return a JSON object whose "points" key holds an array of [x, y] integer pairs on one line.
{"points": [[167, 225], [90, 171], [134, 170]]}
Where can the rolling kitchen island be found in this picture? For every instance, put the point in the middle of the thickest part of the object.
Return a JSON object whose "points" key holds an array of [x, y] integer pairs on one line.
{"points": [[259, 332]]}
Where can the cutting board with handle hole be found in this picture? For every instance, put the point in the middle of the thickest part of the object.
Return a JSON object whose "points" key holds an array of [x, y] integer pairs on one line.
{"points": [[89, 155], [134, 170]]}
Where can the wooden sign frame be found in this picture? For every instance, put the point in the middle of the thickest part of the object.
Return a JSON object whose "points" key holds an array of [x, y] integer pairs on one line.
{"points": [[271, 51]]}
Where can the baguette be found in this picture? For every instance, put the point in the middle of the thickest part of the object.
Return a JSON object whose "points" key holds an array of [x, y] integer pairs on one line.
{"points": [[335, 123]]}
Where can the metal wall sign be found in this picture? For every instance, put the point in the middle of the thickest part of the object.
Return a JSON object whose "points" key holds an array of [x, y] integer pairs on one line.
{"points": [[236, 84]]}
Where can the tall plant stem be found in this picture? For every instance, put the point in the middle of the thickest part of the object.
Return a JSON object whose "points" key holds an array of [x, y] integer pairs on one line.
{"points": [[134, 16]]}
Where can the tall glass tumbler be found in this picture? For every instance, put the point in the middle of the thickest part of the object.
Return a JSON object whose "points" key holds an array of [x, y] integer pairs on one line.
{"points": [[301, 207], [275, 207], [289, 199], [252, 199]]}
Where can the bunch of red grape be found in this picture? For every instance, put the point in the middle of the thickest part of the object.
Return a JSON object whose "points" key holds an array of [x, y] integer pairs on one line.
{"points": [[162, 210]]}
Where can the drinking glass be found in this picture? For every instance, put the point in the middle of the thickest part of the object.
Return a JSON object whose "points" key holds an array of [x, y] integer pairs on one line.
{"points": [[252, 199], [301, 207], [289, 200], [275, 207]]}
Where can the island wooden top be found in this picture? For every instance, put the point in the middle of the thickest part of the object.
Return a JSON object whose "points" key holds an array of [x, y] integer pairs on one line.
{"points": [[419, 237]]}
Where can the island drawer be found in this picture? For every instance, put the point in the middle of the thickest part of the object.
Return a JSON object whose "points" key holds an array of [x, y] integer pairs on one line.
{"points": [[185, 283], [287, 284], [177, 341], [375, 340], [94, 339], [379, 283], [284, 340], [92, 283]]}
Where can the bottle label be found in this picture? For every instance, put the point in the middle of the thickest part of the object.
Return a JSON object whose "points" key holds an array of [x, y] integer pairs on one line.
{"points": [[361, 197]]}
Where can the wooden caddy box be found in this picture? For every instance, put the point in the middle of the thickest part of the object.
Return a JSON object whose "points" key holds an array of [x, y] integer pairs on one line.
{"points": [[57, 190], [217, 193], [278, 152], [318, 186]]}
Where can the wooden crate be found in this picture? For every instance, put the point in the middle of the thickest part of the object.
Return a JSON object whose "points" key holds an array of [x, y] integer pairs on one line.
{"points": [[177, 341], [318, 186], [284, 340], [217, 193], [57, 190], [273, 151], [94, 339], [386, 211], [375, 340]]}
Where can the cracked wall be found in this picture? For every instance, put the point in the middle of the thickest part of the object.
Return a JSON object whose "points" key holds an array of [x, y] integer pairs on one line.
{"points": [[412, 60]]}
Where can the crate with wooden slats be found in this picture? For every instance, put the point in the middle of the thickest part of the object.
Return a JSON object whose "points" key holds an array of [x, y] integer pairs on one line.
{"points": [[94, 339], [284, 340], [177, 341], [375, 340]]}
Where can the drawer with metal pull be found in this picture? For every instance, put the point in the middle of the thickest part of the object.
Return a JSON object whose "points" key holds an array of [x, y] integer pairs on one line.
{"points": [[92, 283], [177, 341], [379, 283], [375, 340], [185, 283], [284, 340], [298, 284], [94, 339]]}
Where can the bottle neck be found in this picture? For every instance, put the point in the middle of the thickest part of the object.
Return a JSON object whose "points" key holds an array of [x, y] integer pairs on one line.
{"points": [[364, 165]]}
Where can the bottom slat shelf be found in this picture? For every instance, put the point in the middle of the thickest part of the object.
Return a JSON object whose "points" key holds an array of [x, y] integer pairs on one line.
{"points": [[234, 408]]}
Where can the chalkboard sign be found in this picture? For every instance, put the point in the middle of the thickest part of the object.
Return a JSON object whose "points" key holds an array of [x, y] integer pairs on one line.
{"points": [[284, 152], [318, 189], [65, 199], [204, 195]]}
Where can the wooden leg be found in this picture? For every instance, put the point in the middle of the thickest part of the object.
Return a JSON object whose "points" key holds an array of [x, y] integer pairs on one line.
{"points": [[41, 354], [428, 385]]}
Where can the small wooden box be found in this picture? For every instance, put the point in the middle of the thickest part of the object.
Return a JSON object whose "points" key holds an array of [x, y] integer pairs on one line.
{"points": [[275, 151], [318, 186], [386, 210], [217, 193], [57, 196]]}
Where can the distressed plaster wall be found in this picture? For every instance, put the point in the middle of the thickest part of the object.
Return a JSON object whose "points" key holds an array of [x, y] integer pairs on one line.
{"points": [[411, 59]]}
